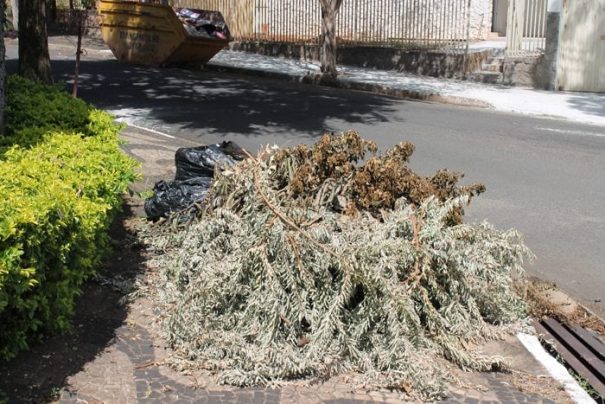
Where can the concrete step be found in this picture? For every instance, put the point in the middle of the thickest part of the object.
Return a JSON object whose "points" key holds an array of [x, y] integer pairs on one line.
{"points": [[488, 77], [493, 64], [495, 35], [497, 58], [492, 67]]}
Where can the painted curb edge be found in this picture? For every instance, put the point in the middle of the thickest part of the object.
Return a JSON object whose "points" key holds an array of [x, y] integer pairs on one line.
{"points": [[556, 370]]}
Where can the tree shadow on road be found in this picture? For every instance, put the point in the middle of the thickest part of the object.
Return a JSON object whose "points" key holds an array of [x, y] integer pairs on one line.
{"points": [[39, 374], [220, 104]]}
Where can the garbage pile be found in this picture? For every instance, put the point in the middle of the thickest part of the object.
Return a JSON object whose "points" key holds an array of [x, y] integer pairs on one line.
{"points": [[202, 23], [195, 169], [310, 262]]}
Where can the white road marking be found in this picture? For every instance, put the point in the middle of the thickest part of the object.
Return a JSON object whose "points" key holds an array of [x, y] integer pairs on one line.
{"points": [[127, 116], [151, 130], [556, 370], [572, 132]]}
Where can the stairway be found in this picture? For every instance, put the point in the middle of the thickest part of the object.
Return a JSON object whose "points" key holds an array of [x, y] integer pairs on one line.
{"points": [[491, 70]]}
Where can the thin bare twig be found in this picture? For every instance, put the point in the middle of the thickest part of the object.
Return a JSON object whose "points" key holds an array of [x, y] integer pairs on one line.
{"points": [[280, 215]]}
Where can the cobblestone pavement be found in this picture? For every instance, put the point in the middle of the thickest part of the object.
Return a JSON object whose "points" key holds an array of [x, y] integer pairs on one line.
{"points": [[130, 370], [129, 374]]}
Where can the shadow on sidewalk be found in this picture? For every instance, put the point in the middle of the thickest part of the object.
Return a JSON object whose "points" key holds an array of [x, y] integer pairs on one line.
{"points": [[590, 103], [39, 374]]}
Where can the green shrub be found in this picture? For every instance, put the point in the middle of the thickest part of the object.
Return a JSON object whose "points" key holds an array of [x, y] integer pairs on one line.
{"points": [[31, 105], [57, 199]]}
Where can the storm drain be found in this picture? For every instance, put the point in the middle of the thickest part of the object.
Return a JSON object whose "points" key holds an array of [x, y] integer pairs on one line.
{"points": [[580, 348]]}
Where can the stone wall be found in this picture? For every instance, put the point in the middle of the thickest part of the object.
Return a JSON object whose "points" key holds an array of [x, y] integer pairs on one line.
{"points": [[524, 71], [428, 63]]}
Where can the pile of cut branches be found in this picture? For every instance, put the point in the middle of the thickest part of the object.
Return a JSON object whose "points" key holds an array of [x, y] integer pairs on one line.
{"points": [[305, 262]]}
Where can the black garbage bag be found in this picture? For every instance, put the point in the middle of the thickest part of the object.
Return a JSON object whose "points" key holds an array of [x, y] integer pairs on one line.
{"points": [[176, 195], [194, 173], [193, 162]]}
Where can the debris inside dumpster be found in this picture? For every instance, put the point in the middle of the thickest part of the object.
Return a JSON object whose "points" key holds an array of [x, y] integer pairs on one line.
{"points": [[195, 167], [365, 261], [203, 23]]}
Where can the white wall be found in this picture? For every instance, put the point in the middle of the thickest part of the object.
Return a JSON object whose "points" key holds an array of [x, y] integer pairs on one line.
{"points": [[378, 19]]}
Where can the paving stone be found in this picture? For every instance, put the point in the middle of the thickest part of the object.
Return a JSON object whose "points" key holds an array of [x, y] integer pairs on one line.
{"points": [[259, 395], [142, 384], [114, 379]]}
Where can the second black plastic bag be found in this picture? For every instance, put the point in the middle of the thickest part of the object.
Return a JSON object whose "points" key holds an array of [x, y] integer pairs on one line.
{"points": [[176, 195], [192, 162], [194, 173]]}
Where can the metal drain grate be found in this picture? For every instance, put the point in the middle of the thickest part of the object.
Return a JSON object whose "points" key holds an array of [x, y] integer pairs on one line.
{"points": [[581, 349]]}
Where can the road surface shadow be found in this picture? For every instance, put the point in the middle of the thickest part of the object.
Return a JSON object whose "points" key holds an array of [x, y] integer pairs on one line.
{"points": [[221, 104]]}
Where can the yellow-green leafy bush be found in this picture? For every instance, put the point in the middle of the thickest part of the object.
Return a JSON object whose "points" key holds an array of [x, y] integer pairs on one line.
{"points": [[57, 199]]}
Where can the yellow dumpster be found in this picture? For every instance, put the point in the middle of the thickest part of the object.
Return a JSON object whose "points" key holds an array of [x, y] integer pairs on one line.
{"points": [[158, 35]]}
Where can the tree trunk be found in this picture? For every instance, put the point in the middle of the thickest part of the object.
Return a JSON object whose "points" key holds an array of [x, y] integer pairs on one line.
{"points": [[329, 12], [82, 16], [15, 11], [34, 60], [2, 68], [52, 10]]}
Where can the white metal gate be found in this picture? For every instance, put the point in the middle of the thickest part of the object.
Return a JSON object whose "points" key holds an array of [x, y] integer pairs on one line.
{"points": [[582, 46], [526, 27]]}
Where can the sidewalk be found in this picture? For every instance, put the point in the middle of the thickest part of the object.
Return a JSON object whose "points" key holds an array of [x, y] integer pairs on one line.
{"points": [[586, 108]]}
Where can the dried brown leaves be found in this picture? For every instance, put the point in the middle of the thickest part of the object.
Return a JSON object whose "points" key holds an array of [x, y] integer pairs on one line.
{"points": [[373, 186]]}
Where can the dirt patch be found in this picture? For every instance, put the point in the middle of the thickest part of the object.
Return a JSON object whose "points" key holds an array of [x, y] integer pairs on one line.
{"points": [[546, 300], [527, 376], [38, 375], [543, 386]]}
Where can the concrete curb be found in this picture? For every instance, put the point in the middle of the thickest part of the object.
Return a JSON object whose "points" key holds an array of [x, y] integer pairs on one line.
{"points": [[354, 86], [555, 369]]}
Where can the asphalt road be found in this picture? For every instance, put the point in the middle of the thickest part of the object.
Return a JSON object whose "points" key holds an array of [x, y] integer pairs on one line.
{"points": [[544, 177]]}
